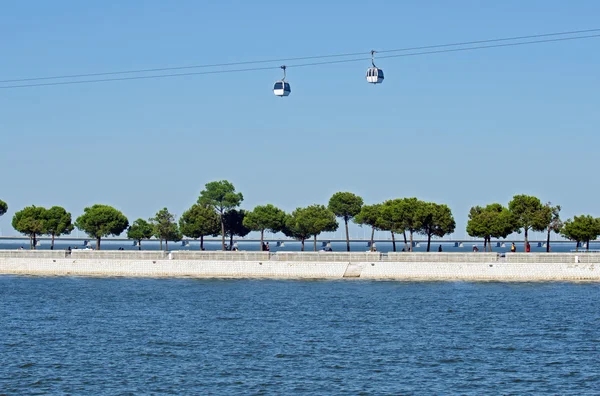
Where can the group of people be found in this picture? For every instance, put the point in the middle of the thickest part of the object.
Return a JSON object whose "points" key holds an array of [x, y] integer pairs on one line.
{"points": [[513, 248], [266, 247]]}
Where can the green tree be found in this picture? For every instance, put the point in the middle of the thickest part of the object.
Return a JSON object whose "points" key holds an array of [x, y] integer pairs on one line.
{"points": [[387, 223], [582, 228], [100, 221], [316, 219], [198, 222], [165, 227], [404, 214], [234, 224], [345, 205], [529, 214], [58, 222], [294, 229], [140, 230], [370, 215], [3, 207], [221, 196], [30, 221], [437, 220], [267, 217], [492, 221], [555, 224]]}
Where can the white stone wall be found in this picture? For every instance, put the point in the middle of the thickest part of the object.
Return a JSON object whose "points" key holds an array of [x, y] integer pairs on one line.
{"points": [[175, 268], [500, 271]]}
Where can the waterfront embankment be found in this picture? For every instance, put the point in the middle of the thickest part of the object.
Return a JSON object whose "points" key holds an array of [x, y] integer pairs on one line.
{"points": [[320, 265]]}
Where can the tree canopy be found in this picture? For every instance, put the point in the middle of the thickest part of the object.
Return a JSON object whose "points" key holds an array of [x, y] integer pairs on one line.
{"points": [[370, 215], [30, 221], [492, 221], [3, 207], [267, 217], [437, 220], [221, 196], [582, 228], [233, 220], [345, 205], [199, 221], [529, 214], [165, 227], [404, 214], [140, 230], [555, 224], [99, 221], [58, 222], [316, 219], [294, 229]]}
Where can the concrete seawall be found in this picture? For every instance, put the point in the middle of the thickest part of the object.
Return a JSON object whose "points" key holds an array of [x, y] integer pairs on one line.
{"points": [[322, 265]]}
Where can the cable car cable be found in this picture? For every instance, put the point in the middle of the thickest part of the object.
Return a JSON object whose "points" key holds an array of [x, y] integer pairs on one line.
{"points": [[293, 66], [296, 58]]}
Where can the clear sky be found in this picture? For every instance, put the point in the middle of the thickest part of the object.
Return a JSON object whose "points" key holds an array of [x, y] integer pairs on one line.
{"points": [[465, 128]]}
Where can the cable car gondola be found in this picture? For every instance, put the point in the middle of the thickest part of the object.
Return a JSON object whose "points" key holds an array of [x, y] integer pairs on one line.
{"points": [[374, 74], [282, 88]]}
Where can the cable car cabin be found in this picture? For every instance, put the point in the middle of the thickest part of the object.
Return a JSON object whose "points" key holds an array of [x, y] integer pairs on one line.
{"points": [[282, 88], [374, 75]]}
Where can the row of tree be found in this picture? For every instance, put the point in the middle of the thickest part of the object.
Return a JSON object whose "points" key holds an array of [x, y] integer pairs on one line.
{"points": [[525, 213], [216, 213]]}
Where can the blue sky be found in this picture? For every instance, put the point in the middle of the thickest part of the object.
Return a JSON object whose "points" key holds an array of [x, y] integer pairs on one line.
{"points": [[466, 128]]}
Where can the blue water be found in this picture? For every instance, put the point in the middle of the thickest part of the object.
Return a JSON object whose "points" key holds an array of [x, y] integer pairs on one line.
{"points": [[289, 246], [183, 336]]}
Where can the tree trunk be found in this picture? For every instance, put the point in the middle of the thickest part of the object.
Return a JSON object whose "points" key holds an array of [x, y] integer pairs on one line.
{"points": [[52, 243], [201, 242], [347, 237], [576, 246], [222, 232], [140, 244], [490, 243], [526, 241], [97, 243], [302, 249], [160, 243], [428, 241], [30, 243], [315, 244], [393, 242], [411, 241], [166, 245], [262, 243], [230, 241], [587, 245], [548, 241], [372, 236], [485, 244], [34, 241], [405, 243]]}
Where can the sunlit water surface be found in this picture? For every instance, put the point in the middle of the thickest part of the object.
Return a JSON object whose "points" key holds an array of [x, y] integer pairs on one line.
{"points": [[177, 336]]}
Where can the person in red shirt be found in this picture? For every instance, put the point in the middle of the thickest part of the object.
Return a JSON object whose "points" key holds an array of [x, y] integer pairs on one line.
{"points": [[528, 248]]}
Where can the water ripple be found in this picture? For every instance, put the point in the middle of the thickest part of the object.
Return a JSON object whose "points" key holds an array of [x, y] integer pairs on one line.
{"points": [[181, 336]]}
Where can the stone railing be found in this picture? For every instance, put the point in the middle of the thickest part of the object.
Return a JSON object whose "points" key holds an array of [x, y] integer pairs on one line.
{"points": [[218, 255], [326, 256], [54, 254], [399, 257], [542, 258], [405, 257]]}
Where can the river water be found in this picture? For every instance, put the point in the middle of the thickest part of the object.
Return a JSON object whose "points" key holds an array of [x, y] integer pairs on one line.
{"points": [[180, 336]]}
